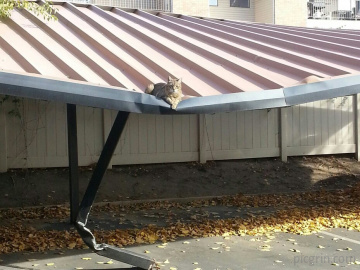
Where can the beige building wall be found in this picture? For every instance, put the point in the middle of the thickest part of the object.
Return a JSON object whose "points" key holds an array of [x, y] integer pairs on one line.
{"points": [[264, 11], [224, 11], [191, 7], [293, 13]]}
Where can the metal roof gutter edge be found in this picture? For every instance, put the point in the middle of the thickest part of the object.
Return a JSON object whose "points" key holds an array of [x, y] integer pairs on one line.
{"points": [[233, 102], [339, 87], [107, 97], [82, 93], [79, 93]]}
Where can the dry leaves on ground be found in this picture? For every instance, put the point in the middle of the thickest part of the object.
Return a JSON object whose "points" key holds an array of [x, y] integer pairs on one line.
{"points": [[303, 213]]}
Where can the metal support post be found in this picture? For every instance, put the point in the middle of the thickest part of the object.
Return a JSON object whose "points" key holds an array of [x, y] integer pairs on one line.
{"points": [[73, 162], [132, 258]]}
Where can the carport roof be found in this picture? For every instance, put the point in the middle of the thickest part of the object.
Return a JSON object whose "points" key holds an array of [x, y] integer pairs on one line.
{"points": [[105, 57]]}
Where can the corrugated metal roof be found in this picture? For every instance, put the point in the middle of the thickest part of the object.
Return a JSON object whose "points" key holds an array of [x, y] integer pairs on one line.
{"points": [[130, 48]]}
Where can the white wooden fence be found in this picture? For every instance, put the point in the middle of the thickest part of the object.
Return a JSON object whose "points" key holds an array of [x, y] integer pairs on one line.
{"points": [[38, 138]]}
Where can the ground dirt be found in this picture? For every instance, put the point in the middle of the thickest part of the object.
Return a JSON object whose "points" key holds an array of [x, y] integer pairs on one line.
{"points": [[35, 187]]}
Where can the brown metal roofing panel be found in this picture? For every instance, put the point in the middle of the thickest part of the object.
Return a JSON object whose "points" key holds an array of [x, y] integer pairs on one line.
{"points": [[132, 48]]}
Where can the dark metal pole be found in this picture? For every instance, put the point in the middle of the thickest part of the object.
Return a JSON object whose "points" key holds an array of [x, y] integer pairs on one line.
{"points": [[73, 162], [139, 260], [93, 186]]}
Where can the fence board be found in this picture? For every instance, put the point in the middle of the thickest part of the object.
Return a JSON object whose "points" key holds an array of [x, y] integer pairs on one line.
{"points": [[337, 120], [315, 128], [143, 134], [41, 130], [61, 129], [169, 135], [317, 122], [248, 127], [272, 128], [225, 133], [185, 133], [50, 129], [177, 122], [194, 133], [240, 127], [351, 139], [232, 130], [160, 134], [134, 133], [216, 121], [256, 129], [303, 125], [331, 121], [310, 123], [345, 120], [263, 114]]}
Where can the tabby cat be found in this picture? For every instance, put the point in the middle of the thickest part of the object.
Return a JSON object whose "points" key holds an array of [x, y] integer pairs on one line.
{"points": [[170, 91]]}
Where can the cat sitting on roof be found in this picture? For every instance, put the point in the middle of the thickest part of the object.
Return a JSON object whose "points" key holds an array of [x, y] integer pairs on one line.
{"points": [[170, 91]]}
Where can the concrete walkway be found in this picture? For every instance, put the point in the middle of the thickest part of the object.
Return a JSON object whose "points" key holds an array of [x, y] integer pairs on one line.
{"points": [[324, 250]]}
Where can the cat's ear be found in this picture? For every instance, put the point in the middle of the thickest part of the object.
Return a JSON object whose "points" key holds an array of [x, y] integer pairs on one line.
{"points": [[179, 80], [170, 79]]}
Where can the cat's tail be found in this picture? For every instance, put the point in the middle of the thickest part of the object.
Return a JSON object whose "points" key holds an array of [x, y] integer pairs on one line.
{"points": [[149, 88]]}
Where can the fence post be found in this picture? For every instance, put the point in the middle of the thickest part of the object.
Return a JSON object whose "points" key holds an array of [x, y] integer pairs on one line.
{"points": [[3, 140], [107, 124], [202, 138], [283, 134], [357, 125]]}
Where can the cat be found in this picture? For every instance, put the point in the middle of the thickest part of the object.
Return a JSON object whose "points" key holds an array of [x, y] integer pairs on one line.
{"points": [[170, 92], [310, 79]]}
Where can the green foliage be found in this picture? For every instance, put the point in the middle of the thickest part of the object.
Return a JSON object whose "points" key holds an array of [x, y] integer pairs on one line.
{"points": [[44, 9], [15, 111]]}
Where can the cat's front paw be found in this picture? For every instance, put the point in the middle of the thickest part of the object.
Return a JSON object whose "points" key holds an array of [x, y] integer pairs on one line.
{"points": [[173, 106]]}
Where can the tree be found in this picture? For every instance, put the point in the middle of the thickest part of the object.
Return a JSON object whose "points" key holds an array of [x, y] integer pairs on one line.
{"points": [[45, 9]]}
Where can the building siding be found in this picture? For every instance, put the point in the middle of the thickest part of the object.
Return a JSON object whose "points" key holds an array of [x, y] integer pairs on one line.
{"points": [[293, 13], [264, 11], [224, 11], [191, 7]]}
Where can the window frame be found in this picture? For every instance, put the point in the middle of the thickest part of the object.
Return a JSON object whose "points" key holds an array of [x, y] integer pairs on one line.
{"points": [[213, 5], [239, 1]]}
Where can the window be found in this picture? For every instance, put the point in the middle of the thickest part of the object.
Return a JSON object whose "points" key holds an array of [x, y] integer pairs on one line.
{"points": [[240, 3], [213, 2]]}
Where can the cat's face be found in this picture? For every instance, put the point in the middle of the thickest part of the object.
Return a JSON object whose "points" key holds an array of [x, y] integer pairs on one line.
{"points": [[174, 85]]}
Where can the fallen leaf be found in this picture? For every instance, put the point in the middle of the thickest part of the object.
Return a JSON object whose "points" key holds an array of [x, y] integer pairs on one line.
{"points": [[166, 261], [348, 248], [86, 259], [173, 268], [186, 242], [71, 245], [214, 248], [78, 268], [100, 262], [278, 261], [109, 262], [50, 264], [146, 251], [320, 246], [195, 263]]}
